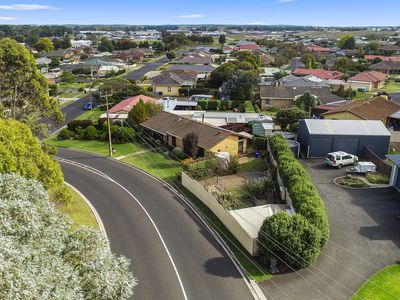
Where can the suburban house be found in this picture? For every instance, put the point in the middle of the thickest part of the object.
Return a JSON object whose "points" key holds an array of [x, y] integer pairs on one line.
{"points": [[96, 67], [171, 129], [395, 176], [43, 61], [62, 53], [195, 59], [367, 81], [168, 83], [284, 96], [389, 67], [131, 54], [267, 59], [295, 63], [377, 108], [319, 137], [316, 48], [306, 81], [382, 57], [121, 110], [323, 74], [203, 71], [389, 49]]}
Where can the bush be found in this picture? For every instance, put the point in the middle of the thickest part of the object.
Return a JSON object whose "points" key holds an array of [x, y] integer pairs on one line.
{"points": [[377, 178], [203, 104], [213, 104], [73, 125], [65, 134], [248, 107], [258, 187], [90, 133], [178, 153], [233, 165], [121, 135], [306, 200], [292, 240], [236, 104], [60, 194], [201, 169]]}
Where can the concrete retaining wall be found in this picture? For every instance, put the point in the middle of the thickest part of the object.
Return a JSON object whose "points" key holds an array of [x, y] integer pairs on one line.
{"points": [[248, 242]]}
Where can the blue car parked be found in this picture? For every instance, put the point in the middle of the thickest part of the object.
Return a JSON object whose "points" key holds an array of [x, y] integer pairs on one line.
{"points": [[88, 106]]}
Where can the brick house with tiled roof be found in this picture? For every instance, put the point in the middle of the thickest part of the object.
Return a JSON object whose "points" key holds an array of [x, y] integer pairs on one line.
{"points": [[323, 74], [367, 81]]}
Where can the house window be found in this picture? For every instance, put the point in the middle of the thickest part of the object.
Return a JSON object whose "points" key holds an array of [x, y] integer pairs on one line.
{"points": [[173, 141], [169, 89]]}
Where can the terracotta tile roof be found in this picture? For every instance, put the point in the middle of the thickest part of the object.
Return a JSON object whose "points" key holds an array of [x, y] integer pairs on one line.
{"points": [[388, 65], [369, 76], [384, 58], [377, 108], [323, 74], [316, 48], [167, 123], [127, 104]]}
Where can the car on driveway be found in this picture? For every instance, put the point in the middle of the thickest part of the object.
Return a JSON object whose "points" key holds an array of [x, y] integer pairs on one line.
{"points": [[339, 159], [88, 106]]}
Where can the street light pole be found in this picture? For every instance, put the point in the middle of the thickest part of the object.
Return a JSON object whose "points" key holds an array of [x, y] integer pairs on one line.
{"points": [[110, 149]]}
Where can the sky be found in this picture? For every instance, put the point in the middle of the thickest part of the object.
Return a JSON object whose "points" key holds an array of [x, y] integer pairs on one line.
{"points": [[156, 12]]}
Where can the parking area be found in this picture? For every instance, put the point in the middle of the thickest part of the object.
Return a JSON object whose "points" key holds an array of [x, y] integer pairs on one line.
{"points": [[365, 236]]}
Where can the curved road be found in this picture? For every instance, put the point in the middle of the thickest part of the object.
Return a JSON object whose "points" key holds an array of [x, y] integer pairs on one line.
{"points": [[202, 265]]}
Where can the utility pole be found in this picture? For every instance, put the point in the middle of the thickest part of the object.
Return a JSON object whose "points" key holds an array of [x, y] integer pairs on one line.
{"points": [[110, 149]]}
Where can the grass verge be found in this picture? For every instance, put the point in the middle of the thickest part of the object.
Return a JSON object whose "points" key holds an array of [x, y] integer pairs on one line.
{"points": [[254, 165], [383, 285], [98, 147], [93, 114], [78, 211]]}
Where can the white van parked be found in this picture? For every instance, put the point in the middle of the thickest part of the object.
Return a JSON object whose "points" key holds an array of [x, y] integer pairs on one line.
{"points": [[339, 159]]}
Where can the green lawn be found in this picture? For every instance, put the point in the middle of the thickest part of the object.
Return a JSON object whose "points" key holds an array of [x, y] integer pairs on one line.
{"points": [[98, 147], [255, 165], [79, 212], [71, 95], [386, 287], [75, 85], [156, 164], [390, 87], [93, 114]]}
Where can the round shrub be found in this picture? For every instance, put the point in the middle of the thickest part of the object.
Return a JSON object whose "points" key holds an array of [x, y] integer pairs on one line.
{"points": [[64, 134], [90, 133], [178, 153], [292, 240]]}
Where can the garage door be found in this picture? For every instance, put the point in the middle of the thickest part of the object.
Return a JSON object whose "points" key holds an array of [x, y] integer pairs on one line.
{"points": [[320, 146], [349, 145]]}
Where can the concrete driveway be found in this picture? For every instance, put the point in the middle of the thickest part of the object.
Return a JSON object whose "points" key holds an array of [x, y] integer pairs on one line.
{"points": [[365, 236]]}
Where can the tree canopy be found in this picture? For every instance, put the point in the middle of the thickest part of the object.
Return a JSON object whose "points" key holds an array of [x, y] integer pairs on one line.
{"points": [[42, 259], [307, 101], [23, 90], [21, 153], [347, 42], [241, 86], [290, 116], [44, 44]]}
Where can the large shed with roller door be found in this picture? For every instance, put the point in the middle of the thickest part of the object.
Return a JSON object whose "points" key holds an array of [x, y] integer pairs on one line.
{"points": [[319, 137]]}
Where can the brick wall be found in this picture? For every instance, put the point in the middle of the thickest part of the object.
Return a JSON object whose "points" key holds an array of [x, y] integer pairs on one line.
{"points": [[381, 166]]}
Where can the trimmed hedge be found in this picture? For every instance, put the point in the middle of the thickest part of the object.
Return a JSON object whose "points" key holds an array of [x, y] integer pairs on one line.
{"points": [[307, 203], [201, 169], [73, 125]]}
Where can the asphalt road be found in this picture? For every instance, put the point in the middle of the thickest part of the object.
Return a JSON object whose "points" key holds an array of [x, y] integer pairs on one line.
{"points": [[205, 269], [139, 73]]}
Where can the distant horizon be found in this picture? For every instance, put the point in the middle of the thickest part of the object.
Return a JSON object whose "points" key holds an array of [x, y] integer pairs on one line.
{"points": [[338, 13]]}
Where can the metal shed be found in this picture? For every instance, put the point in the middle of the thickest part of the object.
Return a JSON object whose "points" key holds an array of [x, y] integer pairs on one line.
{"points": [[319, 137]]}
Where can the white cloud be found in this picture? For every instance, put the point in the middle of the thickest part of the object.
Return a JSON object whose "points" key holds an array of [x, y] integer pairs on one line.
{"points": [[25, 7], [192, 16], [285, 1], [7, 18]]}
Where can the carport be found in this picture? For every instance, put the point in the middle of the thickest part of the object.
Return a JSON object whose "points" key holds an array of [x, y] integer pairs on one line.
{"points": [[319, 137], [395, 176]]}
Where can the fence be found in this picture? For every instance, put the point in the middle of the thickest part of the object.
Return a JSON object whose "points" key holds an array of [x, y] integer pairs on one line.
{"points": [[247, 241], [381, 166]]}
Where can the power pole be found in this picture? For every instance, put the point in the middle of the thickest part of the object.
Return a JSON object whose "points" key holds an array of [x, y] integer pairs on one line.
{"points": [[110, 149]]}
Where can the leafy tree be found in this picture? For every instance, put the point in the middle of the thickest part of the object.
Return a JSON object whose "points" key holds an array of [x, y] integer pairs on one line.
{"points": [[222, 39], [306, 102], [57, 43], [240, 86], [66, 42], [289, 116], [170, 55], [32, 39], [191, 144], [373, 47], [67, 77], [139, 113], [292, 240], [105, 45], [23, 90], [309, 60], [22, 154], [42, 259], [280, 75], [361, 53], [222, 74], [376, 60], [45, 45], [55, 62], [344, 65], [347, 42]]}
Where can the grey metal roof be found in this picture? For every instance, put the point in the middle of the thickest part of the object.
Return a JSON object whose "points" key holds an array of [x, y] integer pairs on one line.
{"points": [[346, 127], [194, 68], [394, 158]]}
